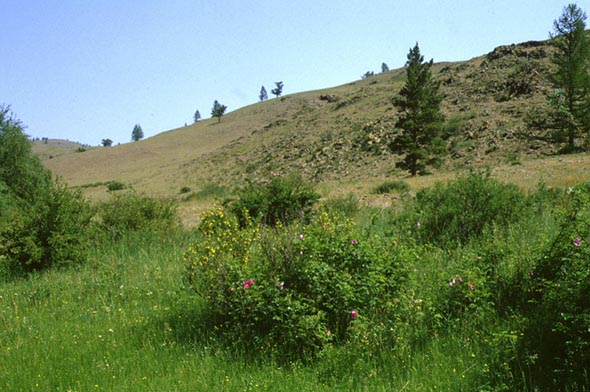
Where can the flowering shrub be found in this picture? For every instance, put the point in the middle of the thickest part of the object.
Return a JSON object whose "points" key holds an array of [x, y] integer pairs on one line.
{"points": [[558, 334], [292, 289]]}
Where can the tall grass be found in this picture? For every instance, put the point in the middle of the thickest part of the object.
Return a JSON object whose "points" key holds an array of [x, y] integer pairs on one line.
{"points": [[124, 321]]}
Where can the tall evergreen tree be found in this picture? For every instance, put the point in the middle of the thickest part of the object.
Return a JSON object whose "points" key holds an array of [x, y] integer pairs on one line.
{"points": [[218, 110], [420, 119], [571, 78], [384, 68], [278, 90], [197, 116], [137, 133], [263, 94]]}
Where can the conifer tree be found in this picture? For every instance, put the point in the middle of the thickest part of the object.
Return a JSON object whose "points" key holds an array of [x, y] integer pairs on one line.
{"points": [[278, 90], [197, 116], [263, 94], [571, 78], [420, 119], [137, 133], [218, 110]]}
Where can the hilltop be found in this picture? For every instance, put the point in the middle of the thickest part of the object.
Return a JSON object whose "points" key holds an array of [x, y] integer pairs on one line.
{"points": [[337, 137]]}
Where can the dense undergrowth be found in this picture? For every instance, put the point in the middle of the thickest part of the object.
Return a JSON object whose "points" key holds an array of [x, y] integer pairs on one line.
{"points": [[472, 285]]}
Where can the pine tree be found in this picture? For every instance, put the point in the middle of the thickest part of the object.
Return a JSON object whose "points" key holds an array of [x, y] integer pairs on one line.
{"points": [[571, 78], [420, 119], [263, 94], [278, 90], [137, 133], [197, 116], [384, 68], [218, 110]]}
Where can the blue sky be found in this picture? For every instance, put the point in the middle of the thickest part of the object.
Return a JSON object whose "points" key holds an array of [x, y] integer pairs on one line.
{"points": [[86, 70]]}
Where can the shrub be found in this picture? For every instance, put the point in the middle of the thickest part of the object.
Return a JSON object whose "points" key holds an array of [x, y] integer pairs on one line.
{"points": [[391, 186], [557, 339], [129, 212], [115, 186], [42, 224], [284, 199], [292, 290], [459, 211]]}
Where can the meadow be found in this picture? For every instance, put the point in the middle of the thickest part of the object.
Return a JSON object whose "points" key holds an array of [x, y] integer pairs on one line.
{"points": [[461, 314]]}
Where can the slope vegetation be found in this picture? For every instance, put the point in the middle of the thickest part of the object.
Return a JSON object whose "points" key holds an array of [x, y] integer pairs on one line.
{"points": [[339, 136]]}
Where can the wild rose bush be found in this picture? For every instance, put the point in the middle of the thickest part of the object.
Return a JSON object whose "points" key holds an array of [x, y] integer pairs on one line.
{"points": [[557, 338], [291, 290]]}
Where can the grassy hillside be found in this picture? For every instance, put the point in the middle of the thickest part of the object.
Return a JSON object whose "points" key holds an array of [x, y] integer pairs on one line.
{"points": [[337, 137]]}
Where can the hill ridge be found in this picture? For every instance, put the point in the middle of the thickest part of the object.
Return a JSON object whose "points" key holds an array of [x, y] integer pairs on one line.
{"points": [[334, 134]]}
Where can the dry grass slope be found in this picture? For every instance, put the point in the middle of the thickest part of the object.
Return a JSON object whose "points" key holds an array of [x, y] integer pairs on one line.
{"points": [[337, 137]]}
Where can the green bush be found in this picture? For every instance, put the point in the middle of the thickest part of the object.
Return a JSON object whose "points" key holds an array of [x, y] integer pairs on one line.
{"points": [[42, 224], [391, 186], [115, 186], [131, 212], [289, 291], [284, 200], [557, 339], [456, 212]]}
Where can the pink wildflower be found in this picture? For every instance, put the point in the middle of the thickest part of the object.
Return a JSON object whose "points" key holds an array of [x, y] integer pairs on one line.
{"points": [[281, 285], [328, 332], [578, 241], [531, 274], [301, 237], [354, 242], [247, 283], [460, 279], [471, 286], [353, 314], [451, 283]]}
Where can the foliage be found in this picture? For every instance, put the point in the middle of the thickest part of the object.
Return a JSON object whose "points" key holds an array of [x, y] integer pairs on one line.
{"points": [[218, 110], [278, 90], [263, 96], [130, 212], [283, 199], [137, 133], [115, 186], [42, 224], [557, 338], [367, 74], [391, 186], [572, 74], [459, 211], [197, 116], [420, 117], [384, 68], [290, 291], [346, 206], [106, 142]]}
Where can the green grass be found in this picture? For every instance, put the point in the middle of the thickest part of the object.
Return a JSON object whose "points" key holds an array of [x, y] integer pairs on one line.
{"points": [[124, 321]]}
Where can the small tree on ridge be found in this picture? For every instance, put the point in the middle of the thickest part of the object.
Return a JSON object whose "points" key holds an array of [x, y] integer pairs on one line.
{"points": [[137, 133], [263, 94], [278, 90], [218, 110]]}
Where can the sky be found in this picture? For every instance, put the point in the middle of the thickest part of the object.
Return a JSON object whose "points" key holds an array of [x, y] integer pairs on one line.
{"points": [[88, 70]]}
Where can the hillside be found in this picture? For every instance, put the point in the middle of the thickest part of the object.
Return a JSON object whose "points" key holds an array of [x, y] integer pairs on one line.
{"points": [[337, 137]]}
